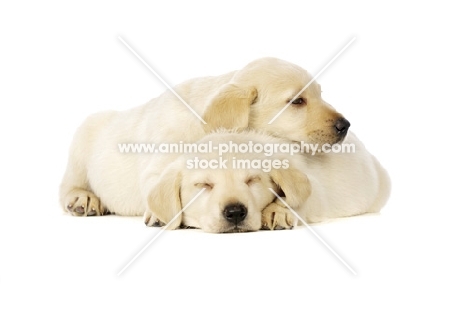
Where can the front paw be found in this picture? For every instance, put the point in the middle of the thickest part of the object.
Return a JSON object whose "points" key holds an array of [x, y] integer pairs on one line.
{"points": [[277, 217], [151, 220], [81, 202]]}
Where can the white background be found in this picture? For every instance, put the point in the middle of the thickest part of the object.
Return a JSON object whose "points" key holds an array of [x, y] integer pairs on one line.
{"points": [[402, 84]]}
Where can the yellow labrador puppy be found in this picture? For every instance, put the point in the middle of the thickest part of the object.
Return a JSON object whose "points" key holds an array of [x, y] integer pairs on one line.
{"points": [[233, 186], [98, 179]]}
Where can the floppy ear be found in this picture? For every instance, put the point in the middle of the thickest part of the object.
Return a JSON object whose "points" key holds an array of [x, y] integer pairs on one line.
{"points": [[293, 184], [164, 198], [230, 108]]}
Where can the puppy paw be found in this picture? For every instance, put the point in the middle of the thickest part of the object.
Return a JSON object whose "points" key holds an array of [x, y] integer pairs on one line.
{"points": [[277, 217], [83, 203], [151, 220]]}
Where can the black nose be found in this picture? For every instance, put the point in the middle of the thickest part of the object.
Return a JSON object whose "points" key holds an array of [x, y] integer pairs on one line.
{"points": [[342, 125], [235, 212]]}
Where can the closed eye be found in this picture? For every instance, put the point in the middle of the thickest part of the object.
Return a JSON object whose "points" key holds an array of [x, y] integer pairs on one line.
{"points": [[252, 180], [206, 185]]}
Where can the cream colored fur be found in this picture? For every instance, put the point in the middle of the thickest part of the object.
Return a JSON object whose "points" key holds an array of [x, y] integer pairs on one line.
{"points": [[345, 184], [100, 180], [179, 184]]}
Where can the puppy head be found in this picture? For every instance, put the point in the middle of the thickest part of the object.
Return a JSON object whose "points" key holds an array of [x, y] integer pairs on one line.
{"points": [[233, 200], [228, 199], [263, 88]]}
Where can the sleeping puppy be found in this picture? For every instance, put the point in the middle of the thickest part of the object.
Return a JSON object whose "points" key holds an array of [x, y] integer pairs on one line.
{"points": [[235, 190], [98, 179]]}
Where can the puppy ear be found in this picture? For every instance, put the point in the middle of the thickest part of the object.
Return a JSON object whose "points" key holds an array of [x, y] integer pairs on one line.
{"points": [[164, 197], [230, 108], [293, 184]]}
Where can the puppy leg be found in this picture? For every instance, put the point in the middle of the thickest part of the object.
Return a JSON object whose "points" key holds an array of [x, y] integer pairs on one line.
{"points": [[276, 216], [151, 220], [81, 202], [76, 196]]}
